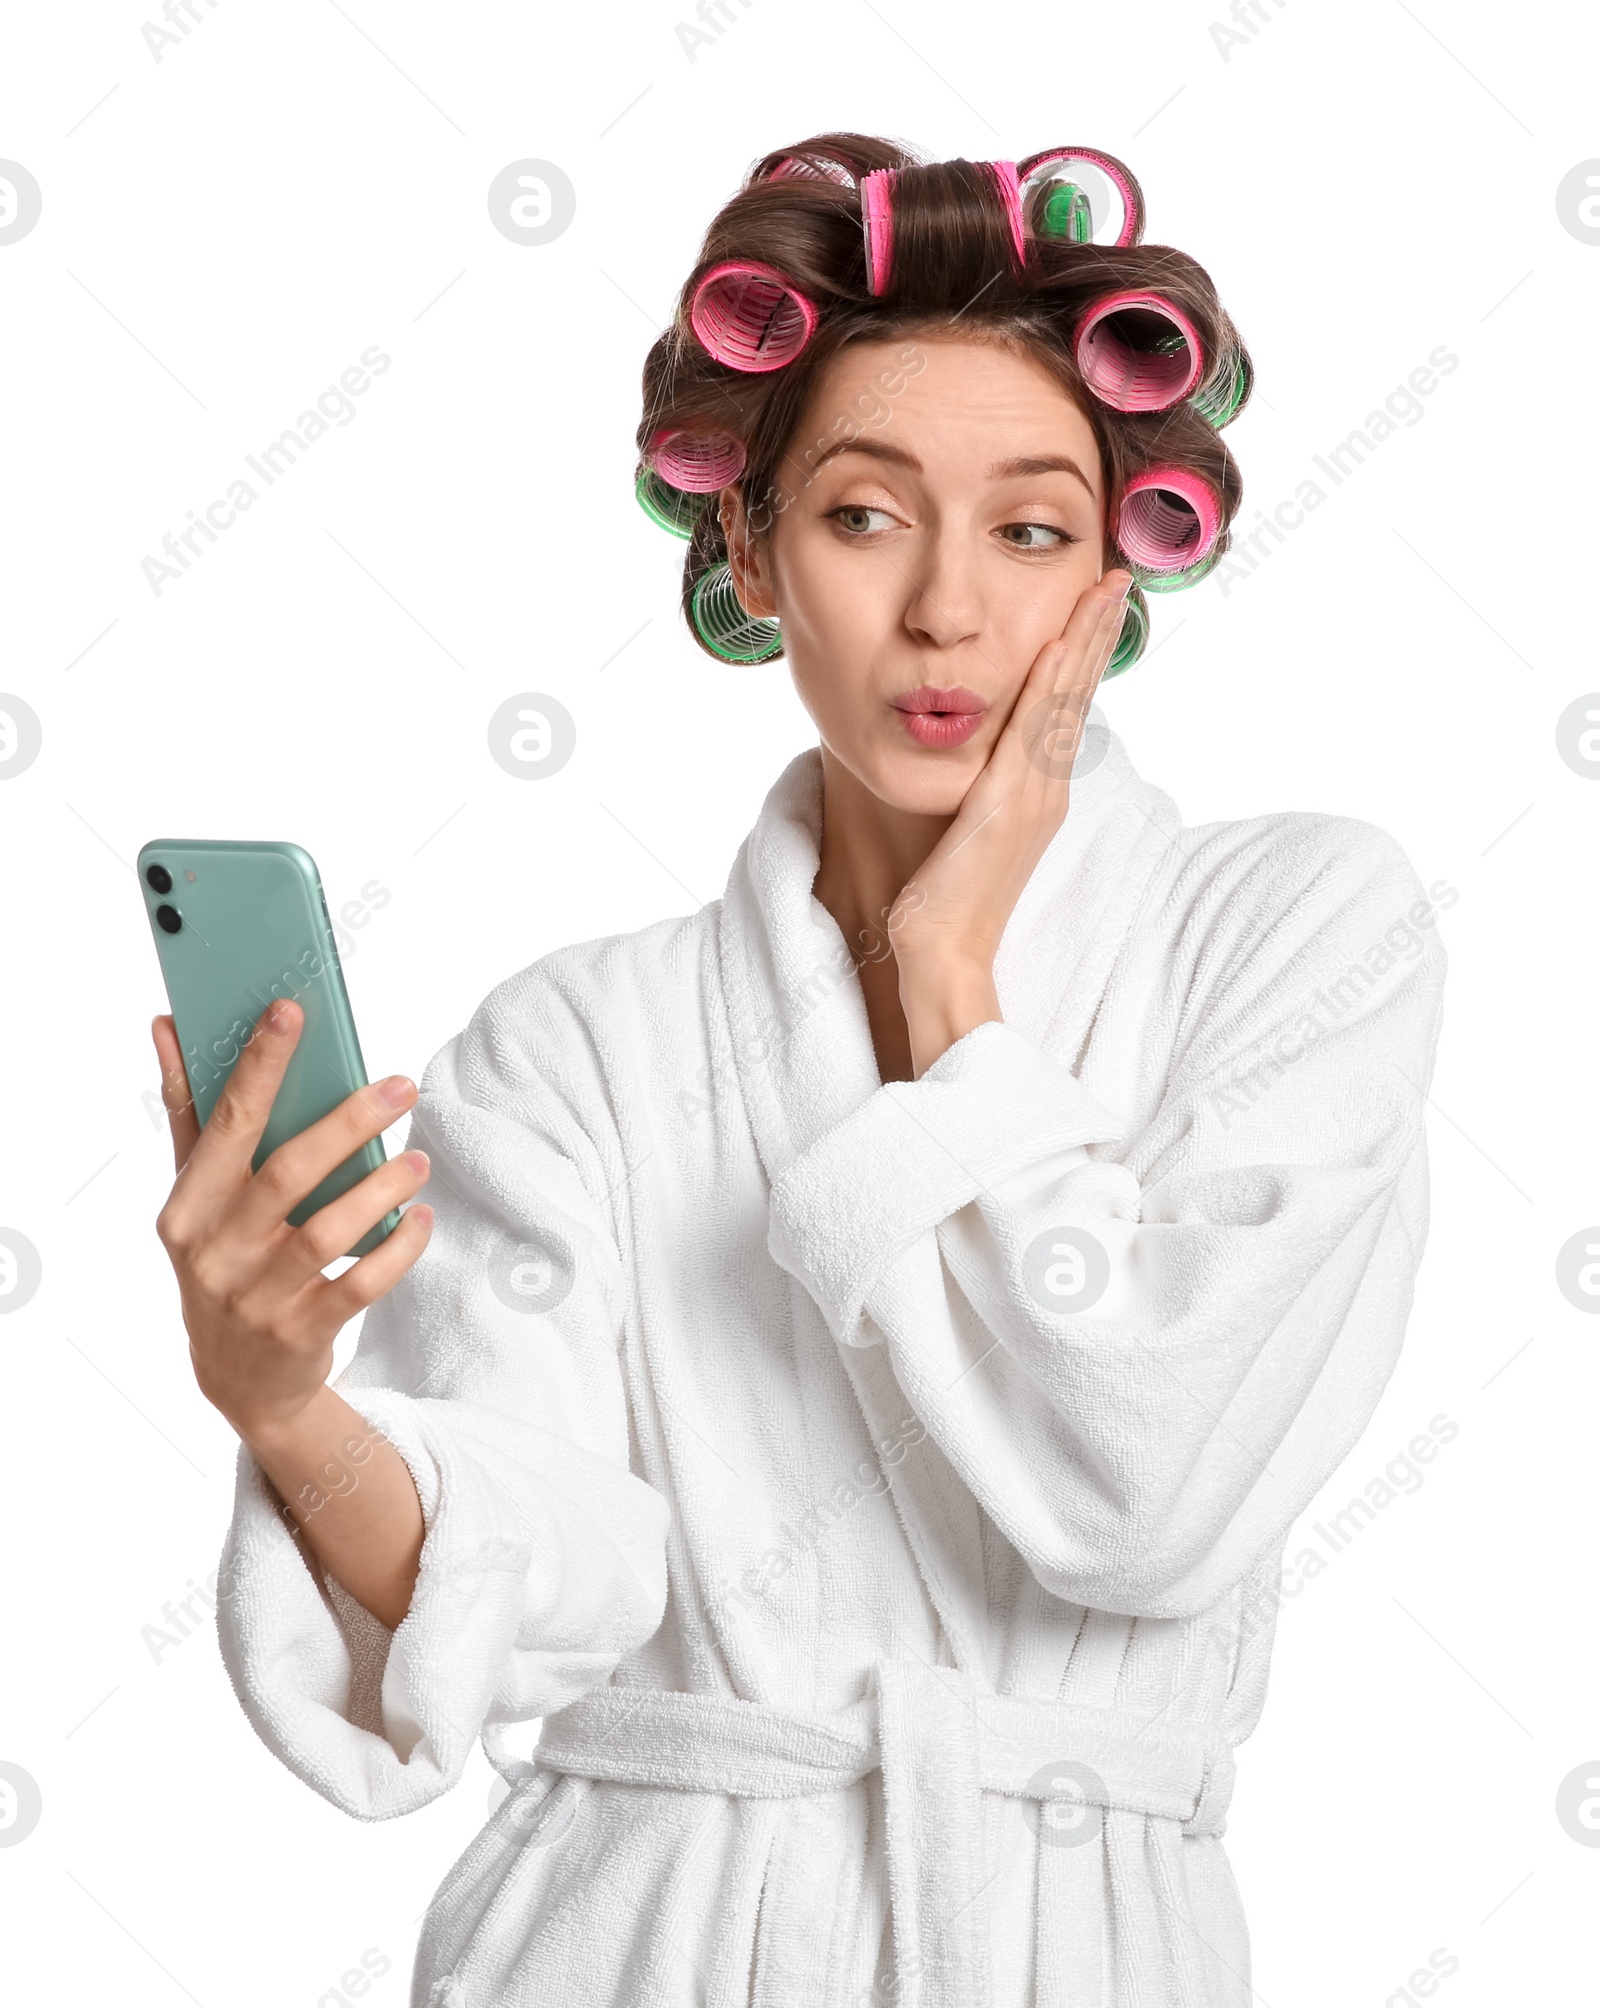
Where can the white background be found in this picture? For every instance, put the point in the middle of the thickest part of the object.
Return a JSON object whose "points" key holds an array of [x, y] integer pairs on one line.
{"points": [[223, 232]]}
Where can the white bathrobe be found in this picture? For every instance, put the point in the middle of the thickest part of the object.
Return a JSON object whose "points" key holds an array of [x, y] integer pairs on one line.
{"points": [[892, 1621]]}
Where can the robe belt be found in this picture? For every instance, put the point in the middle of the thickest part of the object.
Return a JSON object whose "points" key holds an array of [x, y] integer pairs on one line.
{"points": [[941, 1744]]}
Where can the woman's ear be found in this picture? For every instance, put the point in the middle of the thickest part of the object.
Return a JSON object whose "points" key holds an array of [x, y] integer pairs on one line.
{"points": [[749, 557]]}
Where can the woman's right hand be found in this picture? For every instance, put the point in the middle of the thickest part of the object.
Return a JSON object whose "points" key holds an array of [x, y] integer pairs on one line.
{"points": [[261, 1316]]}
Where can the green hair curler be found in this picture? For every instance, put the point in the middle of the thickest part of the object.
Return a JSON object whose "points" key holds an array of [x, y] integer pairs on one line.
{"points": [[1223, 398], [724, 626], [1067, 214], [1175, 582], [665, 505], [1135, 633]]}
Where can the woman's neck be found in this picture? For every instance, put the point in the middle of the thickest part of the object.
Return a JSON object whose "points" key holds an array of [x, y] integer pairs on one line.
{"points": [[869, 851]]}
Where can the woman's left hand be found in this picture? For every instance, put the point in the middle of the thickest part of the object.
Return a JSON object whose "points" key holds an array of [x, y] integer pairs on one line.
{"points": [[947, 923]]}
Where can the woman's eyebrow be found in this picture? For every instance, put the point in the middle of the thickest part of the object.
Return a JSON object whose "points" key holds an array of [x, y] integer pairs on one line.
{"points": [[1002, 470], [1044, 463], [876, 449]]}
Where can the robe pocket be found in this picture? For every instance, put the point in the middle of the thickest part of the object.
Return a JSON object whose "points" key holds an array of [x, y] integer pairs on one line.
{"points": [[519, 1840]]}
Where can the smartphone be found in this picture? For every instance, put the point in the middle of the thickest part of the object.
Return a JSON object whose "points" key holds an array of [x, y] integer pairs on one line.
{"points": [[236, 925]]}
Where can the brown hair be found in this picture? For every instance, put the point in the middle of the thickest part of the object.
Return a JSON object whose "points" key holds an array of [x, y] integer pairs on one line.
{"points": [[954, 265]]}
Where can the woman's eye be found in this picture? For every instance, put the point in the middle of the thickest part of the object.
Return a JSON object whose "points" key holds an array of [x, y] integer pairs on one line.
{"points": [[852, 517], [1034, 536]]}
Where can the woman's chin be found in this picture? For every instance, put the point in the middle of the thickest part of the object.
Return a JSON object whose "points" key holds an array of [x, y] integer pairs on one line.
{"points": [[923, 780]]}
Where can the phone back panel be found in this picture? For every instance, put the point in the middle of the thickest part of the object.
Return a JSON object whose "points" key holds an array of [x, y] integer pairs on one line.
{"points": [[255, 926]]}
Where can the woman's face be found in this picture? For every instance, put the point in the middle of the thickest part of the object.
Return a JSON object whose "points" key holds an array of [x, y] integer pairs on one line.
{"points": [[945, 510]]}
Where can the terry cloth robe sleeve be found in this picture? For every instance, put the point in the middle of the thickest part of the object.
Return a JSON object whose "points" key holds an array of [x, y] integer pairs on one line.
{"points": [[493, 1369], [1244, 1261]]}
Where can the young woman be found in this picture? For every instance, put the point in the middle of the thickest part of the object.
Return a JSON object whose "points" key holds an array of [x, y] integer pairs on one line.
{"points": [[868, 1340]]}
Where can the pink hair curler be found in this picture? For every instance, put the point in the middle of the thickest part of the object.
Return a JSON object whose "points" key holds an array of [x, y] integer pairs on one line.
{"points": [[1005, 174], [877, 226], [877, 218], [812, 167], [1169, 519], [750, 317], [1116, 206], [1131, 375], [698, 462]]}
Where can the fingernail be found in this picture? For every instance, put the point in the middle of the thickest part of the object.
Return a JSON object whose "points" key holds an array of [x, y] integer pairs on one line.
{"points": [[395, 1091], [278, 1015], [417, 1160], [422, 1213]]}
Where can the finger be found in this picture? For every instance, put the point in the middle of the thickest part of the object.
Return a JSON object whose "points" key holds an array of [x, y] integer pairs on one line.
{"points": [[1048, 717], [1077, 670], [1041, 737], [333, 1230], [182, 1123], [1039, 745], [376, 1274], [1103, 647], [301, 1164], [1085, 649], [1074, 659], [229, 1136]]}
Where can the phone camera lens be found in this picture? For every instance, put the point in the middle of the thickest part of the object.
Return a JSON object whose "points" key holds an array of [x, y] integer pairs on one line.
{"points": [[168, 917], [158, 878]]}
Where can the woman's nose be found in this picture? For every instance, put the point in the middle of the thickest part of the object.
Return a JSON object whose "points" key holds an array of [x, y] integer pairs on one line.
{"points": [[944, 604]]}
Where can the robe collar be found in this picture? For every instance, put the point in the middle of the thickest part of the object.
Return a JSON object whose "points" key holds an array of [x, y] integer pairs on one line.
{"points": [[797, 1017]]}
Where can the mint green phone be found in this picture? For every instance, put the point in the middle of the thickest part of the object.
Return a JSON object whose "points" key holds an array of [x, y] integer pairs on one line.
{"points": [[235, 925]]}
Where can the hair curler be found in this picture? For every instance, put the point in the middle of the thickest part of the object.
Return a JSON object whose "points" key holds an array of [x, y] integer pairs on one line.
{"points": [[1177, 582], [750, 317], [877, 218], [812, 167], [1138, 351], [1135, 633], [1005, 175], [1221, 399], [724, 626], [1168, 519], [668, 507], [877, 226], [1112, 196], [700, 462], [1067, 213]]}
